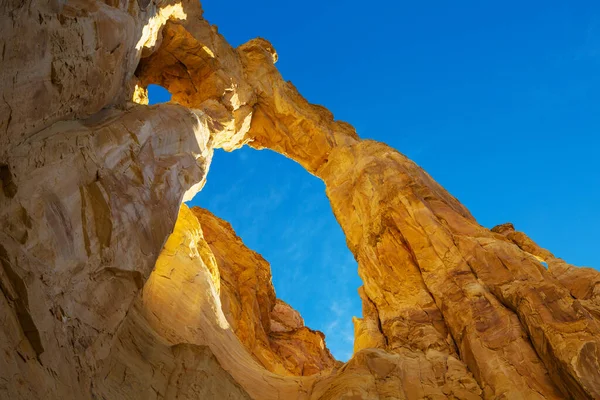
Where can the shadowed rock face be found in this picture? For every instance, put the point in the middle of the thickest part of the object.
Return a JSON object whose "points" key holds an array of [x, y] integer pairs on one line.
{"points": [[110, 288]]}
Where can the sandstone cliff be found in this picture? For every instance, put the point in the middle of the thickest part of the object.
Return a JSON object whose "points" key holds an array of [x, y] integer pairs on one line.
{"points": [[272, 331], [112, 289]]}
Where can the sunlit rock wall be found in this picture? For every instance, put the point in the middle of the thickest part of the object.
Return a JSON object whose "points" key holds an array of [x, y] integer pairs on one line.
{"points": [[105, 296], [272, 331]]}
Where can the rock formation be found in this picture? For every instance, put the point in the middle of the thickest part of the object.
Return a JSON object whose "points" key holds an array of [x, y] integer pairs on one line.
{"points": [[272, 331], [112, 289]]}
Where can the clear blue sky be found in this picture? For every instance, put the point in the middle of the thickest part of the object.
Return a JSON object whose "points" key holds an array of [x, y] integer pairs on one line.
{"points": [[499, 102]]}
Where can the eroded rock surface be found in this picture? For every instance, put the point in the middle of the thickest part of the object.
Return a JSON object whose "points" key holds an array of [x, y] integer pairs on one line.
{"points": [[271, 330], [111, 289]]}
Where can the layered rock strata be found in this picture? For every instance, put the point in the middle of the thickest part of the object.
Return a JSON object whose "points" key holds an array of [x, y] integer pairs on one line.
{"points": [[105, 296]]}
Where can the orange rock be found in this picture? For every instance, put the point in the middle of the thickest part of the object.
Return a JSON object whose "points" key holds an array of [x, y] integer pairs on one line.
{"points": [[249, 304], [583, 283], [92, 186], [284, 318]]}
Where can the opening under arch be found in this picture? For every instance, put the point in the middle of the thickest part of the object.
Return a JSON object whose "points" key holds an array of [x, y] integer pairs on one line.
{"points": [[281, 211], [158, 94]]}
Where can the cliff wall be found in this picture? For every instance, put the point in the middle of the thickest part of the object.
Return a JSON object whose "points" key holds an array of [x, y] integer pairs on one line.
{"points": [[111, 288]]}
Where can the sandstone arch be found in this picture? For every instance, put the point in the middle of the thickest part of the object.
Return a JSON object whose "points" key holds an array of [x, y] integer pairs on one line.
{"points": [[91, 189]]}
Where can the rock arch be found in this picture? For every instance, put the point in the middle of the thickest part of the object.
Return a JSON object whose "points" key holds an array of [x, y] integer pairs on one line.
{"points": [[451, 309], [429, 269]]}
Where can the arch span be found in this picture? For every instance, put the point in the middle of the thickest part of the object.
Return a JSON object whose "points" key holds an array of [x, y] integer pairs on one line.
{"points": [[282, 213], [429, 269], [93, 185]]}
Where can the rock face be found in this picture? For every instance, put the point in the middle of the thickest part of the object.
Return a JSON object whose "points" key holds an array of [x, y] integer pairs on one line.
{"points": [[271, 330], [112, 289], [583, 283]]}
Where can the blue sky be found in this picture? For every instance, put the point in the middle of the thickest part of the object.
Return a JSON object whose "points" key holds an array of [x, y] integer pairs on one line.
{"points": [[498, 101]]}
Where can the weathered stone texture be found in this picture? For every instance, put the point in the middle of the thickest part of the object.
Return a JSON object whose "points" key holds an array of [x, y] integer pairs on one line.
{"points": [[251, 308], [110, 288]]}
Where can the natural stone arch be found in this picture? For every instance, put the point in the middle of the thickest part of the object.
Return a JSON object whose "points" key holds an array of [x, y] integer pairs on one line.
{"points": [[282, 213], [404, 229], [476, 298], [429, 268]]}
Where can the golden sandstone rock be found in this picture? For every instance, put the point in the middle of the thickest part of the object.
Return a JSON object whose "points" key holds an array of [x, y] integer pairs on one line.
{"points": [[112, 289], [271, 330]]}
